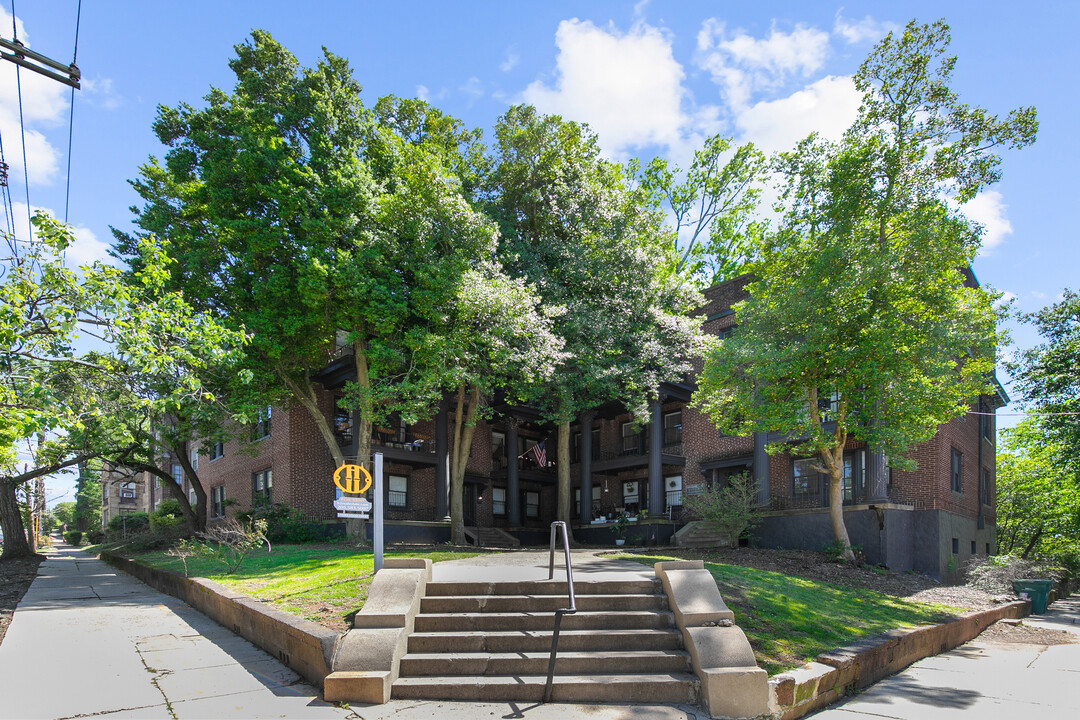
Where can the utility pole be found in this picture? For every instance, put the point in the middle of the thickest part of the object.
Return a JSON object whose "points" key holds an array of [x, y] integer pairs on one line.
{"points": [[36, 62]]}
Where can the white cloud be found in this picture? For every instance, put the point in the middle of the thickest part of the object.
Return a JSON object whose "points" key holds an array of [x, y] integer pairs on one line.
{"points": [[827, 106], [742, 64], [1007, 298], [100, 92], [511, 61], [473, 88], [857, 31], [423, 93], [989, 210], [626, 86], [44, 105]]}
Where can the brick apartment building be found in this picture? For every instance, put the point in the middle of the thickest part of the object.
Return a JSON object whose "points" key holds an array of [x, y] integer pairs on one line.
{"points": [[932, 519]]}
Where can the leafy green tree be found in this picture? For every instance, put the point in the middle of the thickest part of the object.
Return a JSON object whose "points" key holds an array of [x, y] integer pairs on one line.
{"points": [[86, 510], [70, 407], [1048, 374], [64, 513], [594, 248], [860, 322], [1038, 494], [712, 207]]}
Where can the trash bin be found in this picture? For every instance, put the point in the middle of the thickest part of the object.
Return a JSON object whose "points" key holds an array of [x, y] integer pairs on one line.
{"points": [[1038, 591]]}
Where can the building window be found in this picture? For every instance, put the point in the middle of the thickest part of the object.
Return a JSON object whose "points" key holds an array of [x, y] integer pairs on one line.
{"points": [[498, 451], [630, 439], [972, 547], [343, 427], [956, 546], [193, 456], [805, 481], [575, 447], [957, 471], [192, 498], [673, 428], [987, 548], [673, 490], [262, 424], [852, 482], [217, 450], [632, 496], [397, 495], [217, 501], [178, 474], [724, 333], [262, 486], [595, 443], [532, 504], [127, 493], [986, 423], [498, 501], [595, 499]]}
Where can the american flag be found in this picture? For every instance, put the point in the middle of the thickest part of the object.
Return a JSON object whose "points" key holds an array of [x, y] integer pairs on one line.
{"points": [[540, 454]]}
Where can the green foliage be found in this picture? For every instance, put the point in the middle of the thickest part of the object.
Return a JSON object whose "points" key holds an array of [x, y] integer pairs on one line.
{"points": [[135, 523], [167, 519], [284, 523], [1038, 493], [73, 537], [861, 323], [732, 510], [1048, 374], [64, 513], [836, 551], [618, 528], [95, 537], [712, 206]]}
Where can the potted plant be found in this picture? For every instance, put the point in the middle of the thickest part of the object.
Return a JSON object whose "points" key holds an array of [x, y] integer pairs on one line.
{"points": [[618, 528]]}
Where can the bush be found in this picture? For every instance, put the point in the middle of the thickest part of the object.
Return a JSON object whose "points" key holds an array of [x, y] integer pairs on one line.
{"points": [[231, 541], [135, 522], [284, 523], [732, 511], [995, 574], [95, 537], [73, 537], [167, 525]]}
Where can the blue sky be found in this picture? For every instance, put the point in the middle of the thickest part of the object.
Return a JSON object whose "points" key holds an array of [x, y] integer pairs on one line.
{"points": [[652, 78]]}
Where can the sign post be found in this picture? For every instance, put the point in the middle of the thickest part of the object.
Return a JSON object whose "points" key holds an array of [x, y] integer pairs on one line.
{"points": [[377, 531]]}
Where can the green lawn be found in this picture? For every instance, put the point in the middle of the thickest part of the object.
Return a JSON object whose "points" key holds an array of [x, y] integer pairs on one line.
{"points": [[316, 582], [790, 620]]}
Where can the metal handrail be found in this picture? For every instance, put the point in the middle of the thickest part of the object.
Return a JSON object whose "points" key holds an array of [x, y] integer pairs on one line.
{"points": [[558, 524]]}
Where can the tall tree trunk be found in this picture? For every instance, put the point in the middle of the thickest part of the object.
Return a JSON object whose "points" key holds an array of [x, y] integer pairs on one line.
{"points": [[15, 544], [562, 467], [464, 429], [1033, 542], [198, 513]]}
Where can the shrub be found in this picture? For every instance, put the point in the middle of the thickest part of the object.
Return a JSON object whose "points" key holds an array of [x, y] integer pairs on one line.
{"points": [[167, 525], [284, 523], [73, 537], [135, 522], [95, 537], [996, 574], [231, 541], [732, 510]]}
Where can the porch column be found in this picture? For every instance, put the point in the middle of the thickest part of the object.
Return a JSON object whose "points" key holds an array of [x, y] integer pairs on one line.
{"points": [[656, 449], [586, 467], [513, 489], [442, 461], [877, 476], [761, 469]]}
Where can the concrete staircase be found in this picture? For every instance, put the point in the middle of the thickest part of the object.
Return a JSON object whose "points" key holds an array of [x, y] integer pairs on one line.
{"points": [[698, 534], [490, 641], [491, 537]]}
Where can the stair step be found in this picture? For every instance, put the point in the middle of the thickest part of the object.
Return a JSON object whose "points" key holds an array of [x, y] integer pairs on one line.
{"points": [[486, 622], [539, 603], [632, 688], [540, 640], [544, 587], [536, 663]]}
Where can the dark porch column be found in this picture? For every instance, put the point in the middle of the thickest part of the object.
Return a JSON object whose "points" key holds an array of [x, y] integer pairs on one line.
{"points": [[442, 461], [877, 476], [656, 475], [586, 467], [761, 468], [513, 489]]}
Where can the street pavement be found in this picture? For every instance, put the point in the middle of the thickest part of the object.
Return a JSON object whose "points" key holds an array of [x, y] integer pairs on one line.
{"points": [[88, 640]]}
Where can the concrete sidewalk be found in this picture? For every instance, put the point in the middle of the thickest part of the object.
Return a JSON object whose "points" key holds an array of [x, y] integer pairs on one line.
{"points": [[984, 678], [88, 640]]}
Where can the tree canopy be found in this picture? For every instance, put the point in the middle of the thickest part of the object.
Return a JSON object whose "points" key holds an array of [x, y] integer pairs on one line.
{"points": [[862, 321]]}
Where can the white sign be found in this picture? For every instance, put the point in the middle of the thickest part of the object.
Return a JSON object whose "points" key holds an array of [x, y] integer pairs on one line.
{"points": [[352, 508]]}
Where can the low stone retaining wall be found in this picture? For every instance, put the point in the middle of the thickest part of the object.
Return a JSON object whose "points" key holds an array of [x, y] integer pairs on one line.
{"points": [[798, 692], [306, 647]]}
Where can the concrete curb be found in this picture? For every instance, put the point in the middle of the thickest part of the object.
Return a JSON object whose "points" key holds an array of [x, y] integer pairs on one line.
{"points": [[304, 646], [811, 687]]}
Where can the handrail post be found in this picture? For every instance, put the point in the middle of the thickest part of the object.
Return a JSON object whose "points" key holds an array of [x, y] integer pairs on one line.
{"points": [[558, 524]]}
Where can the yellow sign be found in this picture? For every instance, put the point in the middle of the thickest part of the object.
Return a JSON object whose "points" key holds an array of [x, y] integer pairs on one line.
{"points": [[352, 479]]}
